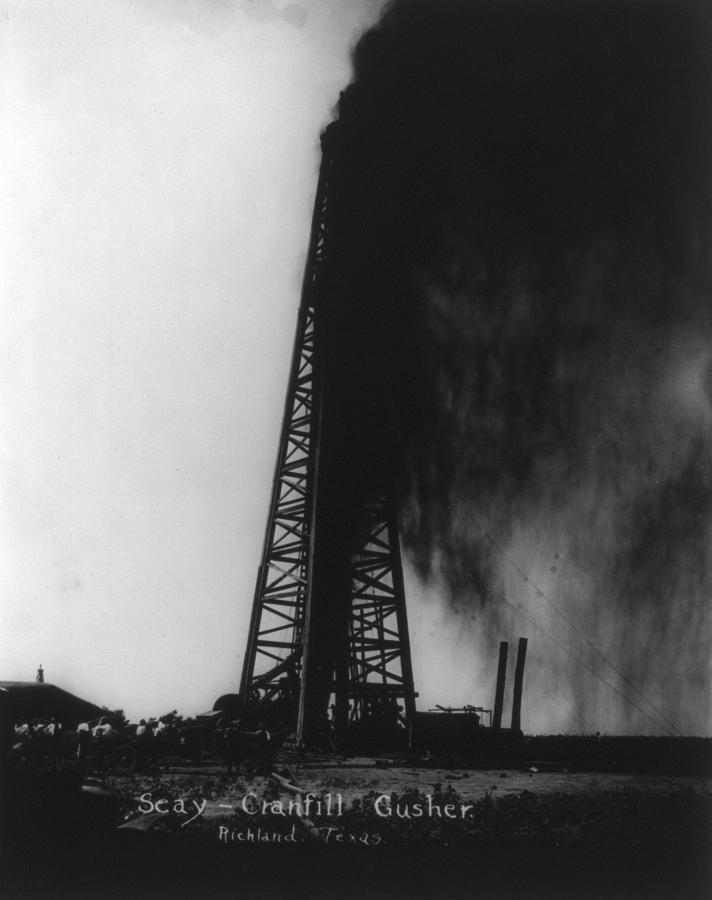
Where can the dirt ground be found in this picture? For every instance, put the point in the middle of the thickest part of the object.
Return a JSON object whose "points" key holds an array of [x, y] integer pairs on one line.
{"points": [[354, 778], [197, 832]]}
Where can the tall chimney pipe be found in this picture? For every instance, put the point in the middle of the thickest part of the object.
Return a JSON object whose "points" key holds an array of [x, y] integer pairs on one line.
{"points": [[499, 691], [518, 684]]}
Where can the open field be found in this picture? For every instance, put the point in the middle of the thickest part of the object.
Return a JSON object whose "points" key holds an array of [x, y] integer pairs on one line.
{"points": [[522, 834], [356, 778]]}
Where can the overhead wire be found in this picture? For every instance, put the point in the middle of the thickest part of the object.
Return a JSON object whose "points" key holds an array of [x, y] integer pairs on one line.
{"points": [[662, 719], [659, 722]]}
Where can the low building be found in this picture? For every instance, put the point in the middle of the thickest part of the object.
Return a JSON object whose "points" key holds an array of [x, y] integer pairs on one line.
{"points": [[30, 700]]}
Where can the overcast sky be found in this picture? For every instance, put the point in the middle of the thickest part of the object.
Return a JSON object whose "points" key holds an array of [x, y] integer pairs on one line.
{"points": [[159, 161]]}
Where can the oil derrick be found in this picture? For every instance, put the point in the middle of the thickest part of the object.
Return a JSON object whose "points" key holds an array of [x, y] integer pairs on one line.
{"points": [[328, 653]]}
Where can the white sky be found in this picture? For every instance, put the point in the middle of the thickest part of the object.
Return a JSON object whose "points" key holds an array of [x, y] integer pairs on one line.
{"points": [[158, 164]]}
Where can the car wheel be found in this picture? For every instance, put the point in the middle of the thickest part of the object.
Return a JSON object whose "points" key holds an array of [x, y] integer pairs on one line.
{"points": [[124, 758]]}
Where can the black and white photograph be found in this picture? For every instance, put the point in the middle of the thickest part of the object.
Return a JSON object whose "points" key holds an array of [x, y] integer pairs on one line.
{"points": [[356, 449]]}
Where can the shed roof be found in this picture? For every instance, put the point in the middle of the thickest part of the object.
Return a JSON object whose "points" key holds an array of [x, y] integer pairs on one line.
{"points": [[28, 699]]}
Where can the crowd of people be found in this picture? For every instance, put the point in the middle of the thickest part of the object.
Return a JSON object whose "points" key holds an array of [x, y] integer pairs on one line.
{"points": [[243, 748], [109, 741], [44, 735], [89, 741]]}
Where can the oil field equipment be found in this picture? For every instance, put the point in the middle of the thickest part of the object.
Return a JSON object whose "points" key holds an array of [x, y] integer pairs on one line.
{"points": [[328, 649]]}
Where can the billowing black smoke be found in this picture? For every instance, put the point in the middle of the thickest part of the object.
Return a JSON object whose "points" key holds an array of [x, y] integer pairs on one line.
{"points": [[520, 329]]}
